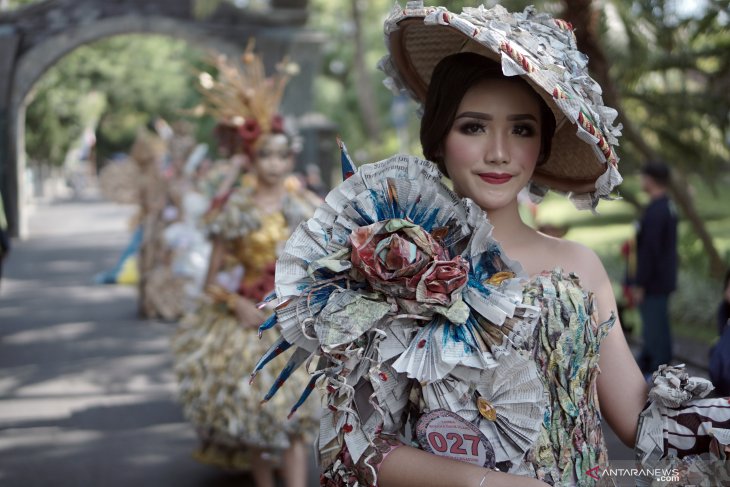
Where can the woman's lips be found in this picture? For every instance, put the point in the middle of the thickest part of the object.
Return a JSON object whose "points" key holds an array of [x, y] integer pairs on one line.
{"points": [[494, 178]]}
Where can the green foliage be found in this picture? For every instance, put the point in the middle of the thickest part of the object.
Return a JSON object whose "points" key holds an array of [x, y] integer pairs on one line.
{"points": [[16, 4], [133, 78], [671, 64], [692, 308], [205, 8], [335, 88]]}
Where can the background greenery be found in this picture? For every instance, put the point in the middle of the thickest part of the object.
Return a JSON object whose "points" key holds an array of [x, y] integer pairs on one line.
{"points": [[665, 64]]}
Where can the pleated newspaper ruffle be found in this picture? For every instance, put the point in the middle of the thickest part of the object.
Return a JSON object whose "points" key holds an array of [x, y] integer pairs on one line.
{"points": [[213, 358], [396, 287]]}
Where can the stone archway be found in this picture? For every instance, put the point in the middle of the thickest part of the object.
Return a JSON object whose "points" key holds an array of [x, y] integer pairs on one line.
{"points": [[34, 38]]}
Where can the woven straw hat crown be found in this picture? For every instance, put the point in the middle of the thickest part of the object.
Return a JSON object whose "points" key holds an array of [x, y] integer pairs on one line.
{"points": [[583, 160]]}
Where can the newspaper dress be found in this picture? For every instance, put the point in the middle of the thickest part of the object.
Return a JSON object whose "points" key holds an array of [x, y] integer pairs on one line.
{"points": [[214, 354], [412, 313]]}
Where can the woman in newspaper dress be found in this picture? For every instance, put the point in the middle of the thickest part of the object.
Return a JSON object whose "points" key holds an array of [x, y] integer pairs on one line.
{"points": [[217, 346], [442, 335]]}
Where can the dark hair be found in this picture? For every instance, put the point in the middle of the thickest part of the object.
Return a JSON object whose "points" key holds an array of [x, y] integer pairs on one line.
{"points": [[658, 171], [453, 76]]}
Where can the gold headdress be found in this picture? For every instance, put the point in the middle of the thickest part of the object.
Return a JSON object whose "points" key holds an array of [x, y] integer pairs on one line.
{"points": [[243, 100]]}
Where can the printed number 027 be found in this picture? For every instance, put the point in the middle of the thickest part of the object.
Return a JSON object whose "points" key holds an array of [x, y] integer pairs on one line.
{"points": [[455, 440]]}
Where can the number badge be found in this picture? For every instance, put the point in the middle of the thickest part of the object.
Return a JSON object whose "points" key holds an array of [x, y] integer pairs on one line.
{"points": [[447, 434]]}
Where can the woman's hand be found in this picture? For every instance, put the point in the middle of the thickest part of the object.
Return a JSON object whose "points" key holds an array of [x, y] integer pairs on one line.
{"points": [[248, 315]]}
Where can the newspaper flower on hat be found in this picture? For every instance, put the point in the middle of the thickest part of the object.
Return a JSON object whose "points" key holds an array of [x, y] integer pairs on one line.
{"points": [[583, 160], [396, 289], [243, 100]]}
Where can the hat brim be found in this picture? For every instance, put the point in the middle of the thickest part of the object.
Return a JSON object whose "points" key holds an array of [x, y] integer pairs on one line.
{"points": [[416, 48]]}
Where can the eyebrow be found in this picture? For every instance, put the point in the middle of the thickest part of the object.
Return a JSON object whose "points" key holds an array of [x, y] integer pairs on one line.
{"points": [[486, 116]]}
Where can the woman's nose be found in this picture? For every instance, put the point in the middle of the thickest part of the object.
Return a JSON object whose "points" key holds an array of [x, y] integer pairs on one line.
{"points": [[496, 151]]}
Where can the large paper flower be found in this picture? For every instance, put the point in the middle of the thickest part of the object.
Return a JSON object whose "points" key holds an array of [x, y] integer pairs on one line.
{"points": [[393, 255], [443, 281], [397, 281]]}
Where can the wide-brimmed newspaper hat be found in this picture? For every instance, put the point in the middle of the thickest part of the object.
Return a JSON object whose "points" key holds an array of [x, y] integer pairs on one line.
{"points": [[583, 160]]}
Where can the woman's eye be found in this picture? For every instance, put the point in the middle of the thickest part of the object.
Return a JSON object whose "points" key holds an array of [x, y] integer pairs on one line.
{"points": [[524, 130], [471, 128]]}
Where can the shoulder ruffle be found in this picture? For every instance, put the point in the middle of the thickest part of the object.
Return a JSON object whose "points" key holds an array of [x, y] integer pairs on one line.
{"points": [[240, 215]]}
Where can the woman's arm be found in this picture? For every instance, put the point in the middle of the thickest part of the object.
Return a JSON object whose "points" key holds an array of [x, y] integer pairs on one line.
{"points": [[217, 252], [622, 392], [407, 466], [247, 313]]}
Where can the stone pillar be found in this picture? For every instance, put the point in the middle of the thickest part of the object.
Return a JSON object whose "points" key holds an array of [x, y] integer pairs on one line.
{"points": [[305, 50], [319, 147], [9, 40]]}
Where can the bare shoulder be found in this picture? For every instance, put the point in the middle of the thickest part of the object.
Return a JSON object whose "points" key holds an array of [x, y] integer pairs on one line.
{"points": [[574, 257]]}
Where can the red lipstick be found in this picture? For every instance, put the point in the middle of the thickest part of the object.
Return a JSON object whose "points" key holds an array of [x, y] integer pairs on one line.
{"points": [[495, 178]]}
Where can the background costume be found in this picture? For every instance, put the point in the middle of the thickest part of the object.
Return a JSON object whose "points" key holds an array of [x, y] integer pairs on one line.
{"points": [[214, 352]]}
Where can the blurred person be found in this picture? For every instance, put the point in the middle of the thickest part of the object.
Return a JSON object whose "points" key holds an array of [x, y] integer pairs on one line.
{"points": [[723, 310], [719, 367], [217, 345], [656, 266]]}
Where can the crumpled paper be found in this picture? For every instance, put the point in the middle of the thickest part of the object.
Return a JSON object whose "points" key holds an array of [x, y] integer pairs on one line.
{"points": [[679, 424]]}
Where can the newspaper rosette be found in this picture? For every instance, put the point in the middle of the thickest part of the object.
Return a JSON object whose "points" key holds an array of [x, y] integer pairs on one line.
{"points": [[396, 284]]}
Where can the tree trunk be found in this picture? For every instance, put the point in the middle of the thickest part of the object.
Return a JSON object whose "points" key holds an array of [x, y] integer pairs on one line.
{"points": [[684, 199], [365, 93], [581, 14]]}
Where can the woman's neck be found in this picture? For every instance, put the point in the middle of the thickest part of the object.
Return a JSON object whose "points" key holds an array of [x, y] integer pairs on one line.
{"points": [[269, 196], [509, 229]]}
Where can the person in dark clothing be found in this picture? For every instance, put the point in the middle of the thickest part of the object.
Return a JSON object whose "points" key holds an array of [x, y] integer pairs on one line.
{"points": [[723, 311], [656, 266], [719, 364]]}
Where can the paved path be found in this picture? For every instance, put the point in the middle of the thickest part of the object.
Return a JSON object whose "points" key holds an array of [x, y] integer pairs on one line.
{"points": [[86, 388], [87, 395]]}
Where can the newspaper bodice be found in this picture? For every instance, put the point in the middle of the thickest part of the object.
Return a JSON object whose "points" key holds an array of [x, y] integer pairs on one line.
{"points": [[564, 350]]}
